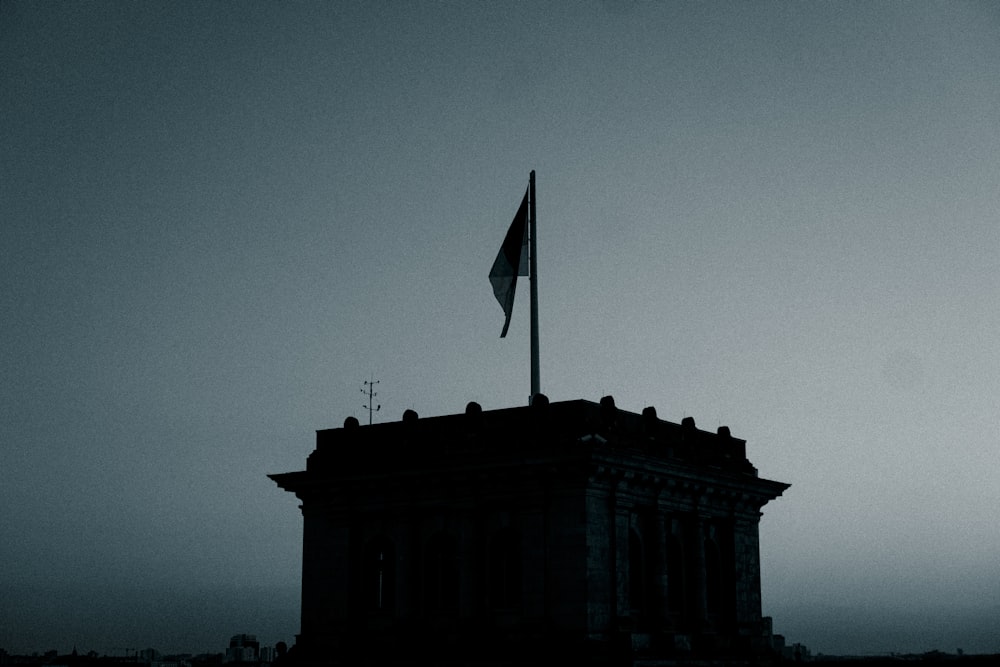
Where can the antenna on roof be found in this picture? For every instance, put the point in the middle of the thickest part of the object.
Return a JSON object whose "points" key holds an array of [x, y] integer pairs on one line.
{"points": [[369, 391]]}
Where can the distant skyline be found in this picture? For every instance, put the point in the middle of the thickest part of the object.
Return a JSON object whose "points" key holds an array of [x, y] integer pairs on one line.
{"points": [[218, 219]]}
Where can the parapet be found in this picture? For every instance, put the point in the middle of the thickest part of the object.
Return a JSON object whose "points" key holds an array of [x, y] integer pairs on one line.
{"points": [[542, 429]]}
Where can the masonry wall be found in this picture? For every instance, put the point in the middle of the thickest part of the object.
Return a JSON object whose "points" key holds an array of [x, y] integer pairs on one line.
{"points": [[325, 573], [624, 543]]}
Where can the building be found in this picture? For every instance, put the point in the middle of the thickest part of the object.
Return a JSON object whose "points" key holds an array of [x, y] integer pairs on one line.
{"points": [[242, 648], [560, 530]]}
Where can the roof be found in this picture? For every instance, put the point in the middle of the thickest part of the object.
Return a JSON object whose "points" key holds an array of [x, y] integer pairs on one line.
{"points": [[576, 430]]}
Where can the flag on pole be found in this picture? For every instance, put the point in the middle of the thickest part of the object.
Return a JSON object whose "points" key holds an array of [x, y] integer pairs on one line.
{"points": [[511, 262]]}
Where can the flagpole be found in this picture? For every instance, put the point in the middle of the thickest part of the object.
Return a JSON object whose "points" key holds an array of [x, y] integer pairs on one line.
{"points": [[533, 277]]}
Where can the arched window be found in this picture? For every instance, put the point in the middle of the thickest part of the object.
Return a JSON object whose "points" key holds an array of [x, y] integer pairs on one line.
{"points": [[505, 569], [713, 577], [379, 585], [441, 575], [636, 573]]}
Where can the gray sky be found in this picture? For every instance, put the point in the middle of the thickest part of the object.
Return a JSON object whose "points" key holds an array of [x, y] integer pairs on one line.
{"points": [[218, 219]]}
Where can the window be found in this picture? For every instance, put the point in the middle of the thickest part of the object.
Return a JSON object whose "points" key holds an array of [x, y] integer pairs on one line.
{"points": [[713, 577], [441, 575], [675, 575], [379, 588], [505, 569], [636, 573]]}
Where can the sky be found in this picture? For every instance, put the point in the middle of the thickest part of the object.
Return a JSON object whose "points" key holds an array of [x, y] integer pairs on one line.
{"points": [[217, 220]]}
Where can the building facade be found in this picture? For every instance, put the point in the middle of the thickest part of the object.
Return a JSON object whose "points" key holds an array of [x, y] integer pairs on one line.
{"points": [[570, 528]]}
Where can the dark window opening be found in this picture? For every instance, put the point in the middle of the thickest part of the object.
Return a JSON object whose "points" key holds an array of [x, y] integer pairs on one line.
{"points": [[675, 575], [636, 573], [505, 570], [713, 577], [379, 593], [441, 575]]}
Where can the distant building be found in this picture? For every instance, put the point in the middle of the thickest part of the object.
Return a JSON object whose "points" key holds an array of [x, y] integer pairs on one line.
{"points": [[242, 648], [796, 653], [559, 530], [148, 656]]}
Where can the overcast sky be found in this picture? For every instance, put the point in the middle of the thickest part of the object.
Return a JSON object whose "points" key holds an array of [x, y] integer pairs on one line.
{"points": [[218, 219]]}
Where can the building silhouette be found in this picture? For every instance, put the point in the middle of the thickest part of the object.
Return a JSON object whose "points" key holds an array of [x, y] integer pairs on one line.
{"points": [[562, 530], [243, 648]]}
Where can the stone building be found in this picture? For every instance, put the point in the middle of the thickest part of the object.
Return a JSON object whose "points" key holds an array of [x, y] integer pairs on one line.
{"points": [[556, 530]]}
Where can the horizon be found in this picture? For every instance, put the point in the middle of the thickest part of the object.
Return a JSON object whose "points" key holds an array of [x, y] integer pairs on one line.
{"points": [[923, 636], [219, 220]]}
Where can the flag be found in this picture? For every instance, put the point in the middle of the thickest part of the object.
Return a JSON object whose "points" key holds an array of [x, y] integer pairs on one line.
{"points": [[511, 262]]}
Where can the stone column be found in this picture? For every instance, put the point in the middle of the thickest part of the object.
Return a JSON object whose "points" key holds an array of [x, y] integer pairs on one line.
{"points": [[325, 573], [597, 542], [747, 573]]}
